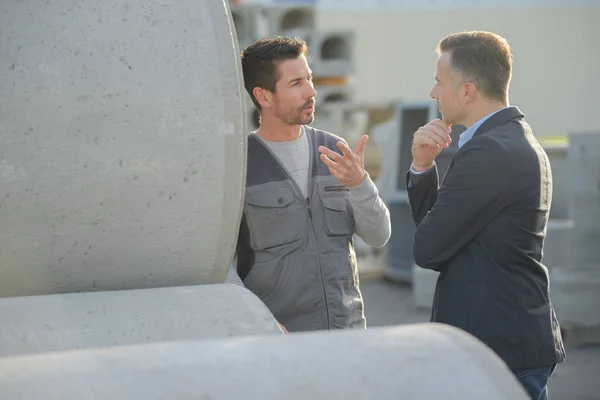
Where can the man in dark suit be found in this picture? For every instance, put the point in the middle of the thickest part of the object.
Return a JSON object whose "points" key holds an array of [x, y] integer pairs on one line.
{"points": [[483, 229]]}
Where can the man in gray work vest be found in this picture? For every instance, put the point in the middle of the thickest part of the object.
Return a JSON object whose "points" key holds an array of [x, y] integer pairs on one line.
{"points": [[307, 194]]}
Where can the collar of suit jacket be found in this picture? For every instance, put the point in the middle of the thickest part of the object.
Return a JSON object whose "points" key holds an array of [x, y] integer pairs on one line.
{"points": [[500, 118]]}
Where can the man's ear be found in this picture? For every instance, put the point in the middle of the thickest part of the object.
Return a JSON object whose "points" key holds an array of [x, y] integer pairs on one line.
{"points": [[263, 96], [469, 92]]}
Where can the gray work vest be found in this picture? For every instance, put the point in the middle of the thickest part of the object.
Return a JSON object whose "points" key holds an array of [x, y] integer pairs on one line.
{"points": [[295, 253]]}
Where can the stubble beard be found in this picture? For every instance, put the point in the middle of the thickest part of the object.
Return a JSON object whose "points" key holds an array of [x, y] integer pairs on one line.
{"points": [[295, 117]]}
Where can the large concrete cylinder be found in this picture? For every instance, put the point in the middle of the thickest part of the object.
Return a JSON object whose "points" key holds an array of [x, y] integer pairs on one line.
{"points": [[41, 324], [381, 363], [122, 144]]}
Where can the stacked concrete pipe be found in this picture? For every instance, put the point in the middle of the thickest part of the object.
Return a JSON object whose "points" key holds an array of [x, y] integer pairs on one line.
{"points": [[122, 171], [383, 363]]}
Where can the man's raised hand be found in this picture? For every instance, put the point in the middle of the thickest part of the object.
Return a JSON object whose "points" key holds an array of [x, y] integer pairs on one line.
{"points": [[428, 143], [348, 168]]}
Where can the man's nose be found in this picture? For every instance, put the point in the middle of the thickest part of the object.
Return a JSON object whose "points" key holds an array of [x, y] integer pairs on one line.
{"points": [[432, 93]]}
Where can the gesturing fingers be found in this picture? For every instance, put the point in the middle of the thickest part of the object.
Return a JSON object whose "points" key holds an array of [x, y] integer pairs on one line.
{"points": [[328, 161], [339, 173], [333, 161], [347, 169], [330, 154], [345, 149], [360, 148]]}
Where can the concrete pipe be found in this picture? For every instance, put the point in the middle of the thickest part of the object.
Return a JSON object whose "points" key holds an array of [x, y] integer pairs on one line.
{"points": [[284, 18], [251, 23], [330, 54], [331, 95], [382, 363], [41, 324], [122, 145], [336, 47], [424, 282]]}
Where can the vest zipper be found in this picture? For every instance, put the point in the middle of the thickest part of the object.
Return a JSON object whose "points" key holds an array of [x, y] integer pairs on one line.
{"points": [[308, 208], [318, 254]]}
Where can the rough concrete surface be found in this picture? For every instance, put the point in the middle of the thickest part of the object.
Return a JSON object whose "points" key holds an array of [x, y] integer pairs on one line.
{"points": [[39, 324], [381, 363], [388, 304], [122, 144]]}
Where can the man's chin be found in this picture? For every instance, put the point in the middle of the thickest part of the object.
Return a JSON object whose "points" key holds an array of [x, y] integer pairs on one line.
{"points": [[445, 118], [306, 121]]}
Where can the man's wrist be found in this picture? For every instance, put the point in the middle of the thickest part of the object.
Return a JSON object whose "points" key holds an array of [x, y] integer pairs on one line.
{"points": [[364, 178], [420, 168]]}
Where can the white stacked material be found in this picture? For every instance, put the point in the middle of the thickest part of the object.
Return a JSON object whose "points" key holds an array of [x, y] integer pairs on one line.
{"points": [[380, 363], [113, 132], [423, 287], [333, 95], [251, 23], [254, 21], [283, 18], [331, 53], [42, 324]]}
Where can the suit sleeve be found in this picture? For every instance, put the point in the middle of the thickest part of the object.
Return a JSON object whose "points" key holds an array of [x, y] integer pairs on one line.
{"points": [[469, 199], [422, 192]]}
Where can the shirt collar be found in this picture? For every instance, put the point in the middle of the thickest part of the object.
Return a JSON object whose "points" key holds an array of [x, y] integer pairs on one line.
{"points": [[468, 134]]}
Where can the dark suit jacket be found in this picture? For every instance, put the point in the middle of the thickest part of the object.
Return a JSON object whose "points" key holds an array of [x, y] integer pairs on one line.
{"points": [[483, 230]]}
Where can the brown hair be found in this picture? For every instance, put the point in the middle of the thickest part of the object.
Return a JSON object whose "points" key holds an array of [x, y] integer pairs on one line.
{"points": [[483, 58], [260, 61]]}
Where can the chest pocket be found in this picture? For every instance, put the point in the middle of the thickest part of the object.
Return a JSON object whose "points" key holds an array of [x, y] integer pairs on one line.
{"points": [[337, 220], [273, 218]]}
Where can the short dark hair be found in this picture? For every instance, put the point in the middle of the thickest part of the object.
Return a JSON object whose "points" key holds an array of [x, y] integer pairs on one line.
{"points": [[260, 60], [482, 57]]}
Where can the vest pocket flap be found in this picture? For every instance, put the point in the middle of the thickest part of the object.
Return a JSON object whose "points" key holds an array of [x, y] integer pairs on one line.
{"points": [[270, 198], [334, 203]]}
